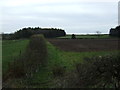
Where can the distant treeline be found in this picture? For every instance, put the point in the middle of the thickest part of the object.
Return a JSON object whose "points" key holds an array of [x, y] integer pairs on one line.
{"points": [[28, 32], [115, 32]]}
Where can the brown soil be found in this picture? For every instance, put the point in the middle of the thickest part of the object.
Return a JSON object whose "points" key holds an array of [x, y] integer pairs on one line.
{"points": [[81, 45]]}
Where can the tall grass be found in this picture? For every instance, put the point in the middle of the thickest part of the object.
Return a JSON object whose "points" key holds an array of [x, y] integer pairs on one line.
{"points": [[36, 53]]}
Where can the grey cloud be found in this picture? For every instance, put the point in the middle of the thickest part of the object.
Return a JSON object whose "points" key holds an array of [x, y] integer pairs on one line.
{"points": [[74, 17]]}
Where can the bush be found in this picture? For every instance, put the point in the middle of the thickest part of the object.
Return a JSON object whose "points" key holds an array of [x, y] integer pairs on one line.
{"points": [[58, 71], [100, 72], [96, 72]]}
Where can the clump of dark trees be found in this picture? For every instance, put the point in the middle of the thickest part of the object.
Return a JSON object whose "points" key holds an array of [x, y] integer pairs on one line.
{"points": [[28, 32], [73, 36], [115, 32]]}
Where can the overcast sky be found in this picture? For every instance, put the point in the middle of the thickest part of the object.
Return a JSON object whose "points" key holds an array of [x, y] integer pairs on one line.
{"points": [[74, 16]]}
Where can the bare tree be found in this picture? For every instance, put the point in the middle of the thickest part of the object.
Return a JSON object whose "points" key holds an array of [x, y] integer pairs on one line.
{"points": [[98, 33]]}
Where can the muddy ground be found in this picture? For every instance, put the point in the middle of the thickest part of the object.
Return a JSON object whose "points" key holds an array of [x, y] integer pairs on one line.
{"points": [[83, 45]]}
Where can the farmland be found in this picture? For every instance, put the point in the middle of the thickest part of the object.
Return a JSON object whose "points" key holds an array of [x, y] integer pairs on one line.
{"points": [[86, 45], [11, 50], [61, 53], [88, 36]]}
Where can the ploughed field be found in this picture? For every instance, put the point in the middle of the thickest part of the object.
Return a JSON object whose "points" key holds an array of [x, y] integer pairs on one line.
{"points": [[83, 45]]}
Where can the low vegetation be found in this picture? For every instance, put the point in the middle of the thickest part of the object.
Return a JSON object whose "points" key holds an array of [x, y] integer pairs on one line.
{"points": [[98, 71], [88, 36], [28, 62], [11, 50], [36, 63]]}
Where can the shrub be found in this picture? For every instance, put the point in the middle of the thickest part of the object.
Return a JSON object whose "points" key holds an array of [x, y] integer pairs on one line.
{"points": [[96, 72], [58, 70], [100, 72]]}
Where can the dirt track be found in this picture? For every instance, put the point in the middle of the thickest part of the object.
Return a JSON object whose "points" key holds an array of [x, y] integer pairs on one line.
{"points": [[81, 45]]}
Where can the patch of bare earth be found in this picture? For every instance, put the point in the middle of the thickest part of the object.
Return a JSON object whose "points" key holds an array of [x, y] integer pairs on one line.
{"points": [[82, 45]]}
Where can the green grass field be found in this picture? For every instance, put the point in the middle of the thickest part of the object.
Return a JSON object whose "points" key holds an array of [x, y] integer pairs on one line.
{"points": [[11, 50], [44, 77]]}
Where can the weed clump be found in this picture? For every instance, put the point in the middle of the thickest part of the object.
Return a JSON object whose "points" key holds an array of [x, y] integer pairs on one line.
{"points": [[58, 71]]}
